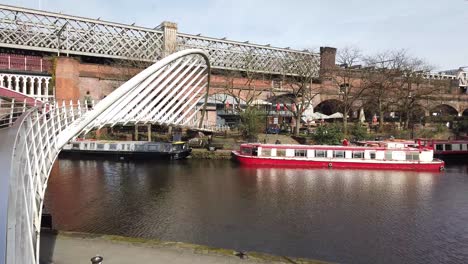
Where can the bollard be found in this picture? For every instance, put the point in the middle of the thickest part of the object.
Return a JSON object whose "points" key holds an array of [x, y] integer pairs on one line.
{"points": [[96, 260]]}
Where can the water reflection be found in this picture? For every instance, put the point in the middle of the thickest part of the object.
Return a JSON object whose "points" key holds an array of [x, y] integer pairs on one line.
{"points": [[336, 215]]}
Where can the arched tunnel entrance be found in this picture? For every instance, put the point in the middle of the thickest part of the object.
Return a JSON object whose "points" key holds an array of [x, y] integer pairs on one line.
{"points": [[443, 110], [329, 107]]}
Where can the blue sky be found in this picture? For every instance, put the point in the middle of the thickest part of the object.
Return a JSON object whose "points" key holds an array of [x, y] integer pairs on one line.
{"points": [[435, 30]]}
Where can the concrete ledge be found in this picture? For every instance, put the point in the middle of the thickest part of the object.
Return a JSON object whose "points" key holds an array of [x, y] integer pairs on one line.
{"points": [[74, 247]]}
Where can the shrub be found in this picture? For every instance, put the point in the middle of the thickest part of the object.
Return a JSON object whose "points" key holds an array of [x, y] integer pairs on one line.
{"points": [[358, 132], [251, 123], [330, 134]]}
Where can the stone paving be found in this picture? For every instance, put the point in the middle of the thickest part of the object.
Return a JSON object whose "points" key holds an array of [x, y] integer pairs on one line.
{"points": [[74, 248]]}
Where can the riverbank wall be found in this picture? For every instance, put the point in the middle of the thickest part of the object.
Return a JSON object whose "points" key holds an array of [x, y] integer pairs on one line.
{"points": [[73, 247]]}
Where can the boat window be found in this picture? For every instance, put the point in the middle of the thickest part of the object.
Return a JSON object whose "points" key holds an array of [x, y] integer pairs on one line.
{"points": [[76, 145], [439, 147], [338, 154], [388, 155], [91, 145], [320, 153], [448, 146], [372, 154], [358, 154], [246, 151], [412, 155], [112, 146], [100, 146], [300, 152], [255, 152], [281, 153], [122, 146], [153, 147], [139, 147], [176, 147]]}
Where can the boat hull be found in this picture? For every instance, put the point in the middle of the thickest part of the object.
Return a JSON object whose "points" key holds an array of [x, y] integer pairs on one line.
{"points": [[126, 155], [435, 165]]}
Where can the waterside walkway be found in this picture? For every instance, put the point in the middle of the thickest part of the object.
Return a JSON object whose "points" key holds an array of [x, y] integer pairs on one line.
{"points": [[71, 248]]}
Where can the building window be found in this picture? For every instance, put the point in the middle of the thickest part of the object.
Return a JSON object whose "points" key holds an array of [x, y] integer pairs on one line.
{"points": [[276, 84], [344, 88]]}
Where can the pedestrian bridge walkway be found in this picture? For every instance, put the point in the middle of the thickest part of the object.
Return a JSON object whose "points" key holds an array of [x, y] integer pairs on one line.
{"points": [[33, 133]]}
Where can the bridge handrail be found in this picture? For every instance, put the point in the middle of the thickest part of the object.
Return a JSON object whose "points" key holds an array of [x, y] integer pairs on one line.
{"points": [[43, 131]]}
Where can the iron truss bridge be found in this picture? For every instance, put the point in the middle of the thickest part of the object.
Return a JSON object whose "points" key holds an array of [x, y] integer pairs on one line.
{"points": [[32, 133], [29, 29]]}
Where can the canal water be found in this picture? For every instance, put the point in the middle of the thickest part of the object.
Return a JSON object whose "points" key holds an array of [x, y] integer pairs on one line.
{"points": [[347, 216]]}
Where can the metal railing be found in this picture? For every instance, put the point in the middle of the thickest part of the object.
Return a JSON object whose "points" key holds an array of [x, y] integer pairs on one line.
{"points": [[166, 92], [13, 62]]}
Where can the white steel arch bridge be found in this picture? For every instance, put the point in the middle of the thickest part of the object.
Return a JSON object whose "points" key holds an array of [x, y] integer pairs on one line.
{"points": [[167, 92]]}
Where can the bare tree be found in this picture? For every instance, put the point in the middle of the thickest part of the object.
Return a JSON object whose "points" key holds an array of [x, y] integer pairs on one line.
{"points": [[299, 86], [413, 87], [382, 77], [241, 85], [348, 79]]}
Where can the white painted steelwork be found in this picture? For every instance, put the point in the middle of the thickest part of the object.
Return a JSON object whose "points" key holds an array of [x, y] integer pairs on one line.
{"points": [[167, 90], [36, 86], [463, 78], [460, 74]]}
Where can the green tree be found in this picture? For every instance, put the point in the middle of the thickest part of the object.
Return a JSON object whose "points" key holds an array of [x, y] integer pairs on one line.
{"points": [[328, 135], [251, 123], [359, 132]]}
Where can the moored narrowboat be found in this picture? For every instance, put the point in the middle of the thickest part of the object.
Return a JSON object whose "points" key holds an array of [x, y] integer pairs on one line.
{"points": [[345, 157], [446, 147], [128, 149]]}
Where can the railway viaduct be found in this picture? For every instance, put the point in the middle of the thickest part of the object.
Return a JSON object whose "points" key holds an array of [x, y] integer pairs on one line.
{"points": [[53, 56]]}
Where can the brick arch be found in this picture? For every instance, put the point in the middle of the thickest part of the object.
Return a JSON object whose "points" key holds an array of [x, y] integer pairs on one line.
{"points": [[465, 112], [444, 110], [329, 106]]}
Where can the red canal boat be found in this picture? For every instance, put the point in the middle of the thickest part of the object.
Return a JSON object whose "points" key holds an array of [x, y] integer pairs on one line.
{"points": [[446, 147], [345, 157]]}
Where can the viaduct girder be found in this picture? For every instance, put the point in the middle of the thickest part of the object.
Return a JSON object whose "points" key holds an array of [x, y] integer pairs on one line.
{"points": [[29, 29]]}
